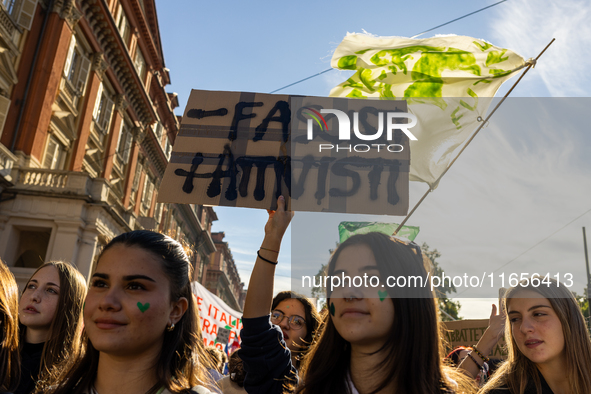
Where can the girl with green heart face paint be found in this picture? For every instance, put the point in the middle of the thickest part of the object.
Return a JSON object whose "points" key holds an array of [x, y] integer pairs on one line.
{"points": [[373, 340], [140, 323]]}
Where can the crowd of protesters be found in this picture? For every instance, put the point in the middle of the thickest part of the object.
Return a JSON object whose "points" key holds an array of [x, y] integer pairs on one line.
{"points": [[135, 329]]}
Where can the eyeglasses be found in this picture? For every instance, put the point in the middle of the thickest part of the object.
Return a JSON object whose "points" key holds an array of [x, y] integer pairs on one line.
{"points": [[296, 322]]}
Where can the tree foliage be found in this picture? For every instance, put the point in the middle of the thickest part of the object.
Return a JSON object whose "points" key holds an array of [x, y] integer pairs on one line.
{"points": [[449, 310], [583, 304]]}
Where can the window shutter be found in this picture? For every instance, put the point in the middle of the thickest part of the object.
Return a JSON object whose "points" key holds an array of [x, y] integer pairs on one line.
{"points": [[70, 56], [27, 13], [127, 149], [158, 132], [136, 177], [106, 116], [50, 153], [82, 75], [168, 148], [4, 105], [120, 137], [97, 103]]}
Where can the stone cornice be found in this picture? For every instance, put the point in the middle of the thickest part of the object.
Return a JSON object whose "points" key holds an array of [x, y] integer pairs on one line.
{"points": [[147, 34]]}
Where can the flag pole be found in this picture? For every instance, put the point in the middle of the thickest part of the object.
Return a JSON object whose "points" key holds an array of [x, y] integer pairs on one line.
{"points": [[530, 65]]}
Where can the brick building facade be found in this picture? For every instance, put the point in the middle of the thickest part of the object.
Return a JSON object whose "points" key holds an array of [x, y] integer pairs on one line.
{"points": [[86, 131]]}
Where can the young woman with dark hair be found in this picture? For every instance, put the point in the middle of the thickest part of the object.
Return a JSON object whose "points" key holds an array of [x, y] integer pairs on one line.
{"points": [[277, 332], [9, 354], [140, 323], [50, 313], [298, 319], [548, 342], [374, 340]]}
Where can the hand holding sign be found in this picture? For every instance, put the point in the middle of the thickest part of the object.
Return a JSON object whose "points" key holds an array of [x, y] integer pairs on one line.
{"points": [[278, 222]]}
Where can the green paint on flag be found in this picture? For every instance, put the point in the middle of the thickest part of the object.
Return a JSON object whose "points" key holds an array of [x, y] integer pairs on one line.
{"points": [[495, 57], [348, 62], [456, 118], [484, 46], [355, 93]]}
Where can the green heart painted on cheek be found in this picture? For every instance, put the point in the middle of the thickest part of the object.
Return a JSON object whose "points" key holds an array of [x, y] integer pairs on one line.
{"points": [[143, 307], [332, 311], [383, 294]]}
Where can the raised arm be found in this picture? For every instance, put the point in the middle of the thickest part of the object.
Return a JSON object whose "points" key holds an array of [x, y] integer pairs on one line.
{"points": [[494, 332], [259, 296]]}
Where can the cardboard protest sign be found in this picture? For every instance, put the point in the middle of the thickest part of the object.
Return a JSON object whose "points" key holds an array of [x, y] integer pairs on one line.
{"points": [[215, 317], [353, 154], [469, 332], [245, 149]]}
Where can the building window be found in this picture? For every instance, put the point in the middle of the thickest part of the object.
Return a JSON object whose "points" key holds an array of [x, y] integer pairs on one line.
{"points": [[123, 25], [158, 132], [54, 154], [147, 194], [21, 11], [103, 110], [136, 183], [8, 5], [124, 144], [168, 149], [158, 212], [76, 70], [4, 106], [140, 64]]}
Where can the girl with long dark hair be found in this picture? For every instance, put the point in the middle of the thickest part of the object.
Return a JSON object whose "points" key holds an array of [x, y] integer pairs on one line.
{"points": [[373, 340], [141, 329], [548, 342], [50, 313]]}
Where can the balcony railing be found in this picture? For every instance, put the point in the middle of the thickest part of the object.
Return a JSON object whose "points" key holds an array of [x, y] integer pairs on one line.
{"points": [[6, 21], [69, 183]]}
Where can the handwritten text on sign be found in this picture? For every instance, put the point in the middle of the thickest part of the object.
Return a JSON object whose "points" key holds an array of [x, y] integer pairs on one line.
{"points": [[245, 149], [468, 333]]}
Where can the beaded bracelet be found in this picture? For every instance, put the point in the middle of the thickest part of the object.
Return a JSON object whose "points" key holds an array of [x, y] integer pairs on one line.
{"points": [[264, 259], [482, 356]]}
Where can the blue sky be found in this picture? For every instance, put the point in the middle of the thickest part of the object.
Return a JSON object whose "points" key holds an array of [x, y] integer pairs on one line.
{"points": [[512, 188]]}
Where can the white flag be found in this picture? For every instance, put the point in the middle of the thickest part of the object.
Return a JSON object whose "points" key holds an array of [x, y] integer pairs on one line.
{"points": [[448, 82]]}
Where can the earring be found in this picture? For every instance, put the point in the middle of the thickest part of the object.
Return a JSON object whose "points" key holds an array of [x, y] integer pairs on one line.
{"points": [[170, 328]]}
